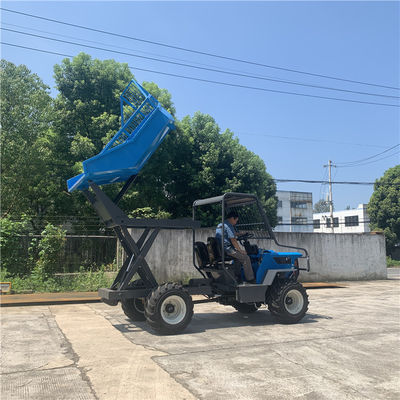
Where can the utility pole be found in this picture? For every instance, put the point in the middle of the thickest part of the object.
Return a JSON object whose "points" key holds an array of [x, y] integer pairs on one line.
{"points": [[330, 165]]}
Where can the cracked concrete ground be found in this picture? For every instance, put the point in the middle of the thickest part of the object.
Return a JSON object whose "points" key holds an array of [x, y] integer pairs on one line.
{"points": [[347, 347]]}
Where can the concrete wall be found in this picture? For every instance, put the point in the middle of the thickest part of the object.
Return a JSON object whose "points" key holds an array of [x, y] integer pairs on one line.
{"points": [[333, 257]]}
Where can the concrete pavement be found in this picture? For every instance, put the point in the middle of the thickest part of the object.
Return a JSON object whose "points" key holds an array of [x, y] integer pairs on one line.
{"points": [[347, 347]]}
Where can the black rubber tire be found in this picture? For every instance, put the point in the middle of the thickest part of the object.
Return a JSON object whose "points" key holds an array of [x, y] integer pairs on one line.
{"points": [[245, 308], [134, 308], [288, 302], [170, 296]]}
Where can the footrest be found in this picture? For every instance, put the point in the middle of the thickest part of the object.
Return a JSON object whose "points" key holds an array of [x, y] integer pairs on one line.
{"points": [[111, 296]]}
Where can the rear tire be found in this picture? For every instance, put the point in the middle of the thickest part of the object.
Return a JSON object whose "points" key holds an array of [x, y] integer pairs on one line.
{"points": [[134, 308], [288, 302], [169, 309], [245, 308]]}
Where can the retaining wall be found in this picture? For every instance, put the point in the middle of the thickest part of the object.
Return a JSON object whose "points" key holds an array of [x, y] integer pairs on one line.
{"points": [[333, 257]]}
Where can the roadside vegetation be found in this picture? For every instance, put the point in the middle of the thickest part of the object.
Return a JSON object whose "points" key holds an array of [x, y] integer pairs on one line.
{"points": [[38, 270], [392, 263], [384, 207]]}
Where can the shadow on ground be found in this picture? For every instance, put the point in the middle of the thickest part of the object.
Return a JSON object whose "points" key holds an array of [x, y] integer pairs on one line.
{"points": [[203, 322]]}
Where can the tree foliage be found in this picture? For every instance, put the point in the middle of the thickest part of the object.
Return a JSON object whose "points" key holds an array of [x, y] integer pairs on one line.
{"points": [[26, 142], [197, 161], [321, 206], [384, 207], [13, 246], [46, 141]]}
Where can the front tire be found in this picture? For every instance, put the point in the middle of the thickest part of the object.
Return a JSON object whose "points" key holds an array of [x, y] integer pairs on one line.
{"points": [[288, 302], [169, 309]]}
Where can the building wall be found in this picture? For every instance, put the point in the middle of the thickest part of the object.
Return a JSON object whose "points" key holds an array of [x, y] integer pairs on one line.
{"points": [[332, 257], [294, 211], [341, 227]]}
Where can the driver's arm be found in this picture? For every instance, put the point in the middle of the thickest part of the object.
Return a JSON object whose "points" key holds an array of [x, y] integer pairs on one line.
{"points": [[236, 245]]}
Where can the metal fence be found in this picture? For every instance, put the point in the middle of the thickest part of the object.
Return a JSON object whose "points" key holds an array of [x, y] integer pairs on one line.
{"points": [[89, 252]]}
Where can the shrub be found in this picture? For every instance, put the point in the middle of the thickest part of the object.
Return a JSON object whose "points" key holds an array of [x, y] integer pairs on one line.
{"points": [[13, 242], [50, 247], [392, 263]]}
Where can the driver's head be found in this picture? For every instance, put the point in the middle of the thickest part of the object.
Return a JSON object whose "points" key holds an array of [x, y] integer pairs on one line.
{"points": [[232, 217]]}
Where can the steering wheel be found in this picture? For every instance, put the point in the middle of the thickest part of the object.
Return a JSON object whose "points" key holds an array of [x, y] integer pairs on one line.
{"points": [[245, 236]]}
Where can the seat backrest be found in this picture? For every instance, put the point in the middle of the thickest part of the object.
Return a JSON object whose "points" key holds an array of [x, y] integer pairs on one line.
{"points": [[214, 249], [201, 252]]}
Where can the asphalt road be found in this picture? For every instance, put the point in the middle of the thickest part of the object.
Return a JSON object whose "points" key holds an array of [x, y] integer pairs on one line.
{"points": [[347, 347]]}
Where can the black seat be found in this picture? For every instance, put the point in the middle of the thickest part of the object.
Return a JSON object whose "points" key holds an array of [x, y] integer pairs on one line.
{"points": [[202, 256], [214, 250]]}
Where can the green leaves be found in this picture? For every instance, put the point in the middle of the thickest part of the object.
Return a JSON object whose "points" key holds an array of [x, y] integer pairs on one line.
{"points": [[44, 142], [384, 207]]}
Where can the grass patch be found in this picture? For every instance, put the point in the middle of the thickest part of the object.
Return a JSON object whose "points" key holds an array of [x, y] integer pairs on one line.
{"points": [[79, 282], [392, 263]]}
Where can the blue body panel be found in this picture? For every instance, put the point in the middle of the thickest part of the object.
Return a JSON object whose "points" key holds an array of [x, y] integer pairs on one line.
{"points": [[265, 261], [145, 124]]}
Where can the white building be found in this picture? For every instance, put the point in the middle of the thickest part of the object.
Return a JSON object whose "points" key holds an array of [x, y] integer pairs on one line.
{"points": [[346, 221], [295, 211]]}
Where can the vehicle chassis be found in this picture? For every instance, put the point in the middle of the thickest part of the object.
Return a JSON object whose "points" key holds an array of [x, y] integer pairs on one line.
{"points": [[136, 252]]}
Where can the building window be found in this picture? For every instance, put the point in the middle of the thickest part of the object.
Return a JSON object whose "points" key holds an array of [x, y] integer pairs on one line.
{"points": [[351, 220], [279, 203], [279, 220], [316, 223], [299, 220], [336, 222], [298, 204]]}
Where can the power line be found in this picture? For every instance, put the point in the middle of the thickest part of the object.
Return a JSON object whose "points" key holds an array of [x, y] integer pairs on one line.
{"points": [[195, 51], [368, 158], [198, 67], [222, 83], [334, 183], [368, 162], [308, 139]]}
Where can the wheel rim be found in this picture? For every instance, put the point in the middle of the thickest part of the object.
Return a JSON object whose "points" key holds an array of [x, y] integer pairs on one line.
{"points": [[294, 301], [173, 310]]}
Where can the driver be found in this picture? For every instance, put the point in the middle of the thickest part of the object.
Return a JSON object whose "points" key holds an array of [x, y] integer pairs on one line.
{"points": [[231, 245]]}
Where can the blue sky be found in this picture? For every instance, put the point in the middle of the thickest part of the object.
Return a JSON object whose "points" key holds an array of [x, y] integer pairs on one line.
{"points": [[294, 135]]}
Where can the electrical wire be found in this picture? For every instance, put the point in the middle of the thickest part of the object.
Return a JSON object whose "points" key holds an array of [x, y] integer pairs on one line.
{"points": [[369, 162], [198, 67], [178, 59], [368, 158], [334, 183], [307, 139], [195, 51], [222, 83]]}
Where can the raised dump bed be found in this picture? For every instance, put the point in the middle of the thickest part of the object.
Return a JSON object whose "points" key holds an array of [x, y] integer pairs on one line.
{"points": [[144, 125]]}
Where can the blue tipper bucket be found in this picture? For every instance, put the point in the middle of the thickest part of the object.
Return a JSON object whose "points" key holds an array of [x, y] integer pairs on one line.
{"points": [[144, 125]]}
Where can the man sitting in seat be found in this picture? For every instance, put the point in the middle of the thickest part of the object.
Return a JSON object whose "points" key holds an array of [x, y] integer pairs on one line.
{"points": [[231, 245]]}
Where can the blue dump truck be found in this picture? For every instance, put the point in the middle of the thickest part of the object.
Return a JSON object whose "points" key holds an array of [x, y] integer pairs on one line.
{"points": [[168, 307]]}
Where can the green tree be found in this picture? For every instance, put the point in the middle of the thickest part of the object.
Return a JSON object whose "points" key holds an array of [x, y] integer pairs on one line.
{"points": [[87, 115], [198, 161], [384, 207], [321, 206], [87, 105], [26, 142], [195, 160]]}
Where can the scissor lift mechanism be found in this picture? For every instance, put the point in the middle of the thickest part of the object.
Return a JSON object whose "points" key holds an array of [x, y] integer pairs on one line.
{"points": [[136, 251]]}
